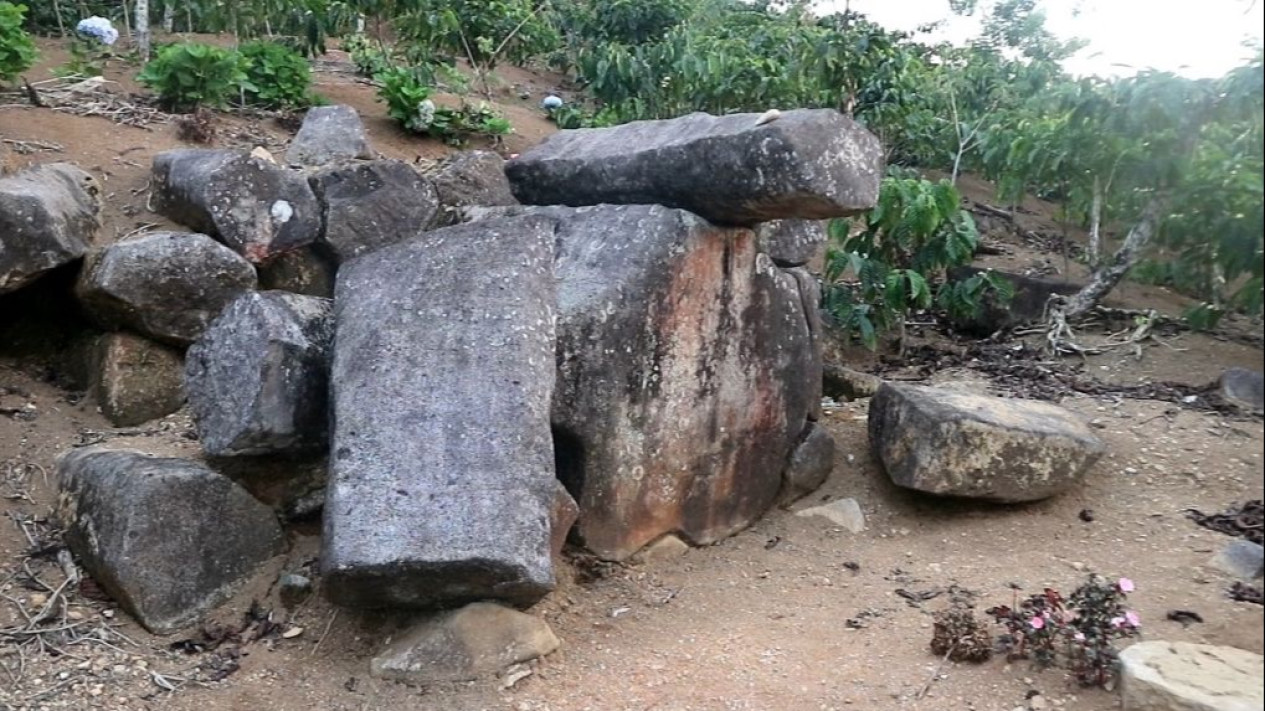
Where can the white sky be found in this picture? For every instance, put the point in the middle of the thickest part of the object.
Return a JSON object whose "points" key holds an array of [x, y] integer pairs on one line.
{"points": [[1199, 38]]}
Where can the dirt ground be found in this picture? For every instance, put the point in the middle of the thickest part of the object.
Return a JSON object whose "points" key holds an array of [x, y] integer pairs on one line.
{"points": [[792, 613]]}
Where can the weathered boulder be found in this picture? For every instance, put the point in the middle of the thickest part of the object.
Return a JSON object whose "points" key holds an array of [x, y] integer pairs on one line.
{"points": [[1180, 676], [168, 539], [300, 271], [954, 443], [731, 170], [1243, 387], [441, 471], [366, 206], [685, 374], [250, 204], [258, 378], [791, 243], [468, 179], [1240, 558], [134, 379], [165, 285], [480, 639], [812, 459], [329, 134], [48, 217], [1027, 305]]}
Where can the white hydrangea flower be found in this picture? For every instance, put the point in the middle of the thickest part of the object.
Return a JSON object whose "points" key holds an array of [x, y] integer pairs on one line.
{"points": [[98, 28]]}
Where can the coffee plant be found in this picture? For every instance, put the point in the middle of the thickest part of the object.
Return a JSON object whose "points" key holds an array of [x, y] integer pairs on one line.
{"points": [[192, 75], [277, 76], [17, 51]]}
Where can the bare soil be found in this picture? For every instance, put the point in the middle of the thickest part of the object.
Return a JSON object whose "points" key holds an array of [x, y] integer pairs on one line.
{"points": [[792, 613]]}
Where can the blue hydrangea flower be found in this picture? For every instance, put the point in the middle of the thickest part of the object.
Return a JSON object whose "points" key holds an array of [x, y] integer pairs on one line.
{"points": [[98, 28], [552, 102]]}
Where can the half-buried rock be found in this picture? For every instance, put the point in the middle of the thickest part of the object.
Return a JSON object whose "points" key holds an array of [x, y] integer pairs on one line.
{"points": [[478, 640], [134, 379], [258, 378], [961, 444], [250, 204], [168, 539], [686, 374], [441, 465], [1180, 676], [48, 216], [731, 170], [165, 285]]}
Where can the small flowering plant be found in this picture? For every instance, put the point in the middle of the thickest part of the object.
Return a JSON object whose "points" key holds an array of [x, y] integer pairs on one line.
{"points": [[1078, 632], [90, 46]]}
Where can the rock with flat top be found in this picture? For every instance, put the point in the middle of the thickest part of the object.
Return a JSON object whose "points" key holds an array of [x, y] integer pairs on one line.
{"points": [[954, 443], [1181, 676], [329, 134], [442, 463], [478, 640], [48, 217], [731, 170], [845, 513], [169, 539]]}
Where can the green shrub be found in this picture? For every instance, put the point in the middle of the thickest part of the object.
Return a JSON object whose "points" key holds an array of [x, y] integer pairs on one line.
{"points": [[17, 51], [279, 76], [408, 102], [916, 231], [189, 75]]}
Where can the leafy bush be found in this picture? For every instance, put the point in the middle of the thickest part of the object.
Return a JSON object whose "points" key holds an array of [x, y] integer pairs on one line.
{"points": [[1078, 633], [626, 21], [408, 102], [17, 51], [482, 31], [190, 75], [278, 76], [917, 230], [369, 56]]}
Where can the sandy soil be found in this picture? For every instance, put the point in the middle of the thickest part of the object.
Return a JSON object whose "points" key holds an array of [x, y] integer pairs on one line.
{"points": [[790, 614]]}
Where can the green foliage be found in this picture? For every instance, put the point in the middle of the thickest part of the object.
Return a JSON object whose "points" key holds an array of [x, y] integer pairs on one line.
{"points": [[895, 255], [408, 102], [17, 51], [624, 21], [369, 56], [190, 75], [482, 31], [277, 76]]}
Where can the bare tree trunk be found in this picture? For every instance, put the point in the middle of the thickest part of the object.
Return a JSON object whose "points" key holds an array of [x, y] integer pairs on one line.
{"points": [[61, 26], [1095, 225], [142, 29], [169, 16], [1107, 276]]}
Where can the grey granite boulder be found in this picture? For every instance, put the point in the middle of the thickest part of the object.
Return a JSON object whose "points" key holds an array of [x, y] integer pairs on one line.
{"points": [[1243, 387], [469, 179], [791, 243], [366, 206], [258, 379], [329, 134], [254, 206], [48, 217], [168, 539], [954, 443], [441, 466], [812, 459], [165, 285], [686, 373], [731, 170], [134, 379], [478, 640]]}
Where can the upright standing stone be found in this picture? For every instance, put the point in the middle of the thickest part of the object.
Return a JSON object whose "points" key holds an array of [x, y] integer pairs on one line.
{"points": [[48, 216], [441, 466], [254, 206], [685, 374], [731, 170], [258, 378]]}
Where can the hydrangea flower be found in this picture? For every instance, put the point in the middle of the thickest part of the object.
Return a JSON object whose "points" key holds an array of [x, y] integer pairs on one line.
{"points": [[1125, 585], [551, 102], [425, 112], [98, 28]]}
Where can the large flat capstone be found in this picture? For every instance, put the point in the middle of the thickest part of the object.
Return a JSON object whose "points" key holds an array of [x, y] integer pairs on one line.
{"points": [[954, 443], [441, 465], [169, 539], [686, 373], [1180, 676], [731, 170]]}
